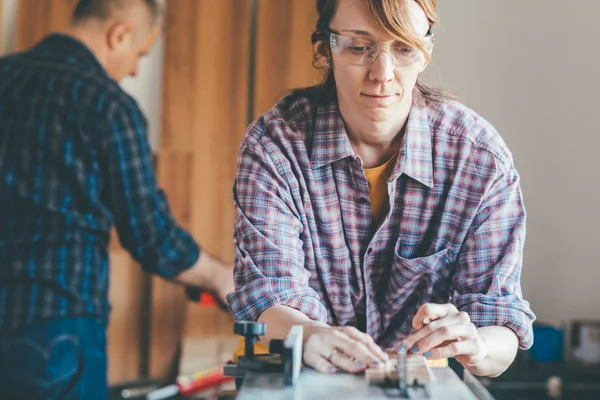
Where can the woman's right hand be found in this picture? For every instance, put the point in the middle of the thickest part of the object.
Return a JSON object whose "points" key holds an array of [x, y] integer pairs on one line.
{"points": [[330, 349]]}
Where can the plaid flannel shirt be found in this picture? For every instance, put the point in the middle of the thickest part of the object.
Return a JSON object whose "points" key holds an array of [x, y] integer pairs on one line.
{"points": [[305, 238]]}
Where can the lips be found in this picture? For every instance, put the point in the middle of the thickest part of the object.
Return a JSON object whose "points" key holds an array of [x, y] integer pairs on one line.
{"points": [[379, 99]]}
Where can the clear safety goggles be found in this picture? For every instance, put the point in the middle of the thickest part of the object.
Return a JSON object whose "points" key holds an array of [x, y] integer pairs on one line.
{"points": [[364, 51]]}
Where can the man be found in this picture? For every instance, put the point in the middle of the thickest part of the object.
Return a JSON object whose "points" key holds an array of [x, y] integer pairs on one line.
{"points": [[377, 212], [74, 161]]}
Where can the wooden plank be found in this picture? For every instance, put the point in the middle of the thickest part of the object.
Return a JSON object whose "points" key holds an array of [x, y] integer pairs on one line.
{"points": [[205, 100], [2, 49], [126, 320], [283, 60], [37, 18], [283, 50]]}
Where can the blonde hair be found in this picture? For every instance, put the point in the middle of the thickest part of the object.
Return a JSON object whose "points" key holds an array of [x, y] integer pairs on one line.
{"points": [[394, 17]]}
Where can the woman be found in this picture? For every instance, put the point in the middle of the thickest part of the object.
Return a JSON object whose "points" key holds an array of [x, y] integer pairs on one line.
{"points": [[377, 212]]}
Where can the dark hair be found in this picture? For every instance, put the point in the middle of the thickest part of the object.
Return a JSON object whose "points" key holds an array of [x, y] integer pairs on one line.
{"points": [[391, 15], [102, 9]]}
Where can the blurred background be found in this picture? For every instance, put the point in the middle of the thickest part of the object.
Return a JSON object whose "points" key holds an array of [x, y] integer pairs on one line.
{"points": [[529, 67]]}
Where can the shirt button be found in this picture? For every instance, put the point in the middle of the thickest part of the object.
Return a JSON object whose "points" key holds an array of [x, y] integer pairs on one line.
{"points": [[370, 250]]}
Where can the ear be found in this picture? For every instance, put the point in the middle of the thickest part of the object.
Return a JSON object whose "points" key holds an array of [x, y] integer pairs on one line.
{"points": [[424, 61], [320, 59], [118, 35]]}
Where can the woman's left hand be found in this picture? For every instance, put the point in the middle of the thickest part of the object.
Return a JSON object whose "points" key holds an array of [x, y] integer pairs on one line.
{"points": [[443, 332]]}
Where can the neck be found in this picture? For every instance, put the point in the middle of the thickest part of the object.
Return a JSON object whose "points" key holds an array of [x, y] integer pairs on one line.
{"points": [[92, 35], [376, 141]]}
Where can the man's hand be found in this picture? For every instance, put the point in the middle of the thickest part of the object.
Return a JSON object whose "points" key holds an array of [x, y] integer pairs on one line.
{"points": [[329, 349], [209, 274], [443, 332]]}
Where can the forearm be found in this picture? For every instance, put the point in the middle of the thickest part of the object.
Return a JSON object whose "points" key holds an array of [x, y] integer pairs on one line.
{"points": [[199, 273], [501, 345], [208, 273], [280, 319]]}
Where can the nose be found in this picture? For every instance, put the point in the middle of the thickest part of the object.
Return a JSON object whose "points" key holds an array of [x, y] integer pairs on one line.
{"points": [[382, 68]]}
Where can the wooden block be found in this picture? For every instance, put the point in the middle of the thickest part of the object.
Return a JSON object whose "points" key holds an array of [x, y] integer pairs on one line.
{"points": [[417, 369], [438, 363]]}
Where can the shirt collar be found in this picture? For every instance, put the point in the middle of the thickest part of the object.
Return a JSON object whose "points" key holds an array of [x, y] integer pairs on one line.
{"points": [[330, 140], [75, 52], [416, 151], [331, 143]]}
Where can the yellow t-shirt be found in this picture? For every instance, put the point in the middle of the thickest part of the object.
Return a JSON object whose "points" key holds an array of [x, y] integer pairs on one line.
{"points": [[377, 178]]}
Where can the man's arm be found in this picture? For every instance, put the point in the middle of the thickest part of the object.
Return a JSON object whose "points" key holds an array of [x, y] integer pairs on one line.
{"points": [[145, 225]]}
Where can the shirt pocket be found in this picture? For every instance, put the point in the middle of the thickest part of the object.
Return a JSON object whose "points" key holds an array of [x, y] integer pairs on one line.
{"points": [[412, 280]]}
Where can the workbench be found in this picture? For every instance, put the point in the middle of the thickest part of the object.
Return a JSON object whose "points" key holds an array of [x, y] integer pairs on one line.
{"points": [[313, 385]]}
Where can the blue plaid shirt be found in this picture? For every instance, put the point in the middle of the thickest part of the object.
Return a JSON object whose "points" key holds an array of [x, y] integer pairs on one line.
{"points": [[74, 162]]}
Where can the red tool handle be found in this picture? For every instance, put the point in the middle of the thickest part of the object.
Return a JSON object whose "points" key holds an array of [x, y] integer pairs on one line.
{"points": [[202, 380]]}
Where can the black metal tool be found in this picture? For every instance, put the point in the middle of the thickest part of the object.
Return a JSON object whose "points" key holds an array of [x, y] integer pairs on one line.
{"points": [[250, 331], [285, 356]]}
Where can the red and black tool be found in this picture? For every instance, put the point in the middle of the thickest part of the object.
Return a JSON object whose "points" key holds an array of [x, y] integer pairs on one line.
{"points": [[189, 385]]}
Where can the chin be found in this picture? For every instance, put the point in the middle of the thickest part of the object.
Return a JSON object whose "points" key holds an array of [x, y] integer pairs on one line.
{"points": [[379, 114]]}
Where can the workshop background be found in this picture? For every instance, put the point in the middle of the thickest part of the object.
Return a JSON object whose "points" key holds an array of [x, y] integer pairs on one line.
{"points": [[529, 67]]}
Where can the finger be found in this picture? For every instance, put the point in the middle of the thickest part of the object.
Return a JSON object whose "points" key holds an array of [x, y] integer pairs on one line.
{"points": [[353, 348], [367, 340], [324, 366], [316, 353], [450, 332], [430, 312], [465, 350], [344, 363], [410, 343]]}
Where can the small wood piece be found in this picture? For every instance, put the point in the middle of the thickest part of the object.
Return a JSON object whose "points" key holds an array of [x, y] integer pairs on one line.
{"points": [[417, 369]]}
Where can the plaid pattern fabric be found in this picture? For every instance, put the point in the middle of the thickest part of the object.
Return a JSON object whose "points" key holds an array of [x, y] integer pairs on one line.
{"points": [[304, 235], [74, 162]]}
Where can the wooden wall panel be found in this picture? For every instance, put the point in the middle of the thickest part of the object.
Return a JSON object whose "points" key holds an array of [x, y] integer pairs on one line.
{"points": [[204, 117], [37, 18], [218, 103], [283, 50], [124, 336], [1, 31]]}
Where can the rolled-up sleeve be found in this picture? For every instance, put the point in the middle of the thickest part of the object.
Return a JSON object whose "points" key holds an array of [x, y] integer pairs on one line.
{"points": [[269, 257], [487, 280], [145, 225]]}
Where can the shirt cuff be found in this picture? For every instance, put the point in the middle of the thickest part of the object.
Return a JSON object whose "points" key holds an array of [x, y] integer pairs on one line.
{"points": [[175, 262], [249, 302], [510, 311]]}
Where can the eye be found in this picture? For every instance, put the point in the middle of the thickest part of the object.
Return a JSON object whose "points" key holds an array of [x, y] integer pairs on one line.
{"points": [[357, 49], [360, 46], [403, 49]]}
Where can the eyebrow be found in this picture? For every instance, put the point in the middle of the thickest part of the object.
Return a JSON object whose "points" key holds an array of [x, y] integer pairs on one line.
{"points": [[357, 32]]}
